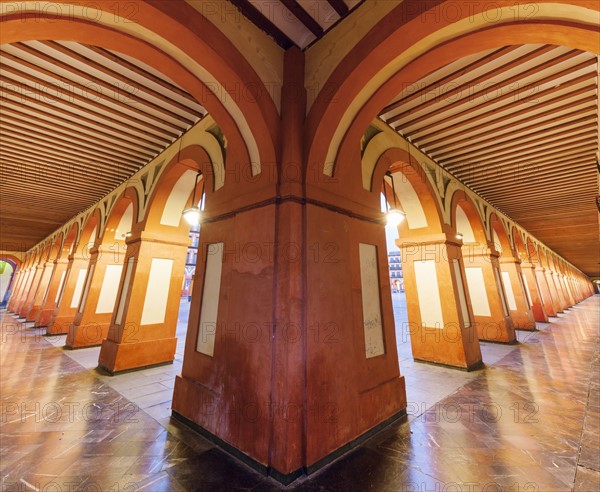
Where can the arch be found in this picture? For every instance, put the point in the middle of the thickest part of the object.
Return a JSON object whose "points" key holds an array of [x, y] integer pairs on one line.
{"points": [[408, 48], [89, 232], [532, 252], [176, 39], [121, 217], [56, 247], [519, 245], [71, 234], [463, 209], [177, 178], [15, 260], [414, 191], [500, 237]]}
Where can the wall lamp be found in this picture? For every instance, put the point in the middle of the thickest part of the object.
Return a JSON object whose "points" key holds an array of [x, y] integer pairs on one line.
{"points": [[193, 214], [395, 215]]}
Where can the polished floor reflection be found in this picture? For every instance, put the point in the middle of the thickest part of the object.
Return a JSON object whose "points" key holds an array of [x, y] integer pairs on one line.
{"points": [[529, 421]]}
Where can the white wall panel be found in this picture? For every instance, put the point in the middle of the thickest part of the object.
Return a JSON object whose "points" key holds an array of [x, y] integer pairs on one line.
{"points": [[157, 293], [430, 304], [371, 305]]}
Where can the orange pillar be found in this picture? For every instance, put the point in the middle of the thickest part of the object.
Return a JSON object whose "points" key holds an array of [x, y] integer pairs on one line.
{"points": [[42, 290], [440, 320], [69, 298], [30, 290], [518, 303], [142, 329], [547, 295], [22, 273], [50, 303], [290, 352], [560, 297], [92, 319], [488, 301], [534, 291]]}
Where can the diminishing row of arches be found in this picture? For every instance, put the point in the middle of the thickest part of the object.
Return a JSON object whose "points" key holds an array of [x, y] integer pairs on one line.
{"points": [[291, 311]]}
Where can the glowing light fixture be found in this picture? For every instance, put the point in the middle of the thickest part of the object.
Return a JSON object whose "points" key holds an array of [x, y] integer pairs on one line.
{"points": [[395, 215], [459, 235], [193, 214]]}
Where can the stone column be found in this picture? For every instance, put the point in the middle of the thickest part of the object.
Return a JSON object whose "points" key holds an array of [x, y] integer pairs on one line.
{"points": [[50, 302], [70, 296], [518, 303], [488, 301], [92, 319], [534, 291], [143, 326], [439, 315]]}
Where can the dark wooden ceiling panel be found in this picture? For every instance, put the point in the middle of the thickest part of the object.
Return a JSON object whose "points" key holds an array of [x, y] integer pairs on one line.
{"points": [[519, 125], [75, 122]]}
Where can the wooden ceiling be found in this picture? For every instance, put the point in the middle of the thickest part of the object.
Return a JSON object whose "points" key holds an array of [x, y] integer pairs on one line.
{"points": [[518, 125], [75, 122], [295, 22]]}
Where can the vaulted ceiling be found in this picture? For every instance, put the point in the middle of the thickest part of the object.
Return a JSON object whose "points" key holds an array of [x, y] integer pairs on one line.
{"points": [[75, 122], [295, 22], [518, 125]]}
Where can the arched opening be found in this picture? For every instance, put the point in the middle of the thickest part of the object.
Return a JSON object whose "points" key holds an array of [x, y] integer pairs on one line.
{"points": [[8, 270], [99, 292], [436, 295], [512, 277], [37, 272], [367, 79], [192, 57], [69, 295], [58, 276], [482, 271], [150, 311]]}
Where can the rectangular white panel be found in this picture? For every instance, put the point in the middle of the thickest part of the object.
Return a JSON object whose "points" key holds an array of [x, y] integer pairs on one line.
{"points": [[477, 291], [109, 289], [78, 288], [461, 293], [210, 299], [125, 291], [428, 293], [60, 286], [510, 296], [524, 279], [157, 293], [369, 282], [86, 290]]}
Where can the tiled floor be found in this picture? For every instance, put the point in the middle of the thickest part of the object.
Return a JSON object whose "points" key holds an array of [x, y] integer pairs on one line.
{"points": [[529, 421]]}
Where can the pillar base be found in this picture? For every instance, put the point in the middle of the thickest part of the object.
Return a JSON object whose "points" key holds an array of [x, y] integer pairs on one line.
{"points": [[59, 325], [88, 335], [193, 391], [118, 357], [471, 367], [44, 317], [489, 330], [33, 313]]}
